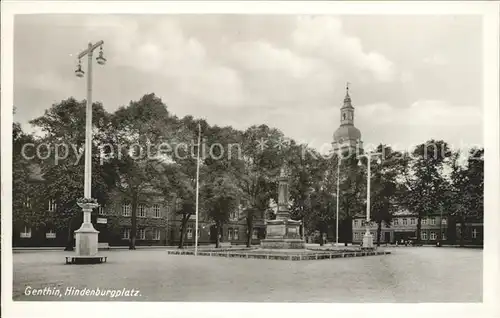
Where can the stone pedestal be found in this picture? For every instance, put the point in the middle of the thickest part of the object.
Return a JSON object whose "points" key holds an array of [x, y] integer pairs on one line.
{"points": [[87, 241], [282, 234], [367, 241]]}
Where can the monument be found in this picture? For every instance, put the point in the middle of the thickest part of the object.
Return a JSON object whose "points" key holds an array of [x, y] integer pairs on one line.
{"points": [[283, 232]]}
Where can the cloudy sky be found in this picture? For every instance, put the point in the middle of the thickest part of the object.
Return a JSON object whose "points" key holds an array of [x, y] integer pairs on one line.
{"points": [[412, 77]]}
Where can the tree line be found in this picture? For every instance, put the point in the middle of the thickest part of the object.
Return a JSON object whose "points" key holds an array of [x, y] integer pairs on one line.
{"points": [[431, 177]]}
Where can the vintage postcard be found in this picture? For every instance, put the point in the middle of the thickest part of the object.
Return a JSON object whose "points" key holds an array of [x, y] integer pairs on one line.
{"points": [[250, 158]]}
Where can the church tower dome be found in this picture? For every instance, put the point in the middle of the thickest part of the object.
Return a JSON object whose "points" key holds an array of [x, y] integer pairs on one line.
{"points": [[347, 137]]}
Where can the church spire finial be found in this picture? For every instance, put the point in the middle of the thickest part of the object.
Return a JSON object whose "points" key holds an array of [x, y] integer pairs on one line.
{"points": [[347, 98]]}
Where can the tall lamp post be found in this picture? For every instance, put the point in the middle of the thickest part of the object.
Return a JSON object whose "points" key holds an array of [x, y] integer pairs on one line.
{"points": [[86, 235], [338, 195], [197, 190], [368, 238]]}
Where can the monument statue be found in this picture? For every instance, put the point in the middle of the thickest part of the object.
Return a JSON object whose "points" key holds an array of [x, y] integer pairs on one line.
{"points": [[283, 233]]}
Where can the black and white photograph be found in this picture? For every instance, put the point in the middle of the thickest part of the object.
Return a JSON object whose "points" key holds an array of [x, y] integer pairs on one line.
{"points": [[215, 154]]}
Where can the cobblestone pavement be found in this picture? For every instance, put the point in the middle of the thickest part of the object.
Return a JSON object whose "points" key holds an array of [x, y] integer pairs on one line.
{"points": [[413, 274]]}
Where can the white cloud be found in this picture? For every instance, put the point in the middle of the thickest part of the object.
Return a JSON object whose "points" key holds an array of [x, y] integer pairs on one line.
{"points": [[288, 72], [164, 50], [50, 82], [406, 76], [323, 36], [421, 121], [436, 59], [263, 56]]}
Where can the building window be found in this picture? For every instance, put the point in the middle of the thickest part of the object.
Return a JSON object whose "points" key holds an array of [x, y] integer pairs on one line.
{"points": [[356, 235], [126, 209], [405, 221], [443, 236], [26, 232], [52, 205], [255, 233], [156, 210], [101, 210], [27, 202], [189, 232], [444, 221], [395, 221], [355, 223], [474, 233], [424, 221], [423, 234], [363, 222], [126, 234], [433, 221], [433, 236], [230, 234], [236, 234], [142, 211], [156, 234], [234, 214], [50, 234], [412, 221], [141, 234]]}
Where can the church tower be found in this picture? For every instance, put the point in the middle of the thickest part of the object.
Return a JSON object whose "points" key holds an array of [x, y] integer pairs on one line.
{"points": [[347, 138]]}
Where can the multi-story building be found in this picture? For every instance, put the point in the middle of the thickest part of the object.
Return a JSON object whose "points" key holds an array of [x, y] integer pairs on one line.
{"points": [[433, 228], [113, 220], [234, 231], [158, 223]]}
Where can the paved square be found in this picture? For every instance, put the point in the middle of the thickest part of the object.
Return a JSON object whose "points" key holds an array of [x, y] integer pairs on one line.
{"points": [[423, 274]]}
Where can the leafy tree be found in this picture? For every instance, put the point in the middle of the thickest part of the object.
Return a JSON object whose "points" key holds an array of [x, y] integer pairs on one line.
{"points": [[424, 179], [63, 128], [466, 193], [352, 199], [261, 160], [27, 180], [308, 169], [220, 198], [384, 188], [138, 130]]}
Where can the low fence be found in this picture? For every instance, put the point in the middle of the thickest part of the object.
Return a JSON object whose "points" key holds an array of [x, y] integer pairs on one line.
{"points": [[280, 256]]}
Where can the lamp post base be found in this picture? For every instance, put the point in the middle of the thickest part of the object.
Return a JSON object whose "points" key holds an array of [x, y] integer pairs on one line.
{"points": [[86, 240], [367, 241], [86, 236]]}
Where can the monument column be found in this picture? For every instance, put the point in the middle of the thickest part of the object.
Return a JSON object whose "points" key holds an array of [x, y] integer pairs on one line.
{"points": [[283, 233]]}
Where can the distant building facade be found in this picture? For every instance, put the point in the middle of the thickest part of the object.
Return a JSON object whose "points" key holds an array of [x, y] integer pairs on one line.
{"points": [[433, 228], [158, 223]]}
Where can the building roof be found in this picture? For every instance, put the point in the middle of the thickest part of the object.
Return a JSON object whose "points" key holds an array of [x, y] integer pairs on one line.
{"points": [[346, 132]]}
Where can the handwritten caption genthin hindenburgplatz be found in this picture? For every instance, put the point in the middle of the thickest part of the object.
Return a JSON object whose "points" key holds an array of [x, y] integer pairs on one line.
{"points": [[82, 292]]}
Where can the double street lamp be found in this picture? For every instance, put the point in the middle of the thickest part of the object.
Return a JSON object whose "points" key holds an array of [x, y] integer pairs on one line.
{"points": [[368, 238], [88, 122], [86, 236]]}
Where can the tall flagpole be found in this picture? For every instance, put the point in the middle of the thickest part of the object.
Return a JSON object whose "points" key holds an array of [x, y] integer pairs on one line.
{"points": [[197, 190]]}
